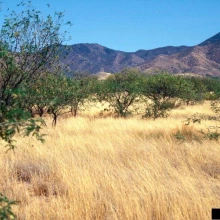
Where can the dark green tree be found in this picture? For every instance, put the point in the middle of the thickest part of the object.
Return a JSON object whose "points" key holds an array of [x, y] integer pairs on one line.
{"points": [[34, 98], [51, 95], [120, 90], [162, 92], [212, 87], [28, 47], [198, 91], [81, 89]]}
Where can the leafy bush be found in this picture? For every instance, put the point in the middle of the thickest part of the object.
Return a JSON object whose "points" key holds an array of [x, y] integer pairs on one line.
{"points": [[6, 208], [120, 90], [159, 109], [211, 132], [163, 91]]}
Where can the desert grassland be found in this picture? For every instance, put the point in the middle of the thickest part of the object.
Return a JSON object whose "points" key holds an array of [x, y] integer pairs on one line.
{"points": [[110, 168]]}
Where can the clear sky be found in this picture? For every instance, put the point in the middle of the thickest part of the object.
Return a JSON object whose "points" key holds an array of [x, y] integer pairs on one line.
{"points": [[129, 25]]}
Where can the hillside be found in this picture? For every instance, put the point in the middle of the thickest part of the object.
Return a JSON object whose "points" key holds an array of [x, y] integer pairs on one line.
{"points": [[203, 59]]}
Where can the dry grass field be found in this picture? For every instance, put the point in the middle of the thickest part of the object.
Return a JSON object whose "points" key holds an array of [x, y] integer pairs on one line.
{"points": [[109, 168]]}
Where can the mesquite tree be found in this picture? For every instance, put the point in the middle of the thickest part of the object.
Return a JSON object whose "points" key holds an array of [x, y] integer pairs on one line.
{"points": [[80, 89], [162, 91], [120, 90], [28, 46], [58, 95]]}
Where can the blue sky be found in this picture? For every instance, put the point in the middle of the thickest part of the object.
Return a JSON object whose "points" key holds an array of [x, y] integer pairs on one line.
{"points": [[129, 25]]}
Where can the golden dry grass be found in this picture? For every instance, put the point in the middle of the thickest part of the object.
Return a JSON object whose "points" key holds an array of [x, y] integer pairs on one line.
{"points": [[108, 168]]}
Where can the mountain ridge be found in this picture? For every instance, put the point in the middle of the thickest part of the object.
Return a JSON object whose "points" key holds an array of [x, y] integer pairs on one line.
{"points": [[202, 59]]}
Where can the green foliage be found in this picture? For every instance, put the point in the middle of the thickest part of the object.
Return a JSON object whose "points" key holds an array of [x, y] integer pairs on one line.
{"points": [[198, 89], [15, 119], [196, 118], [159, 108], [162, 91], [179, 136], [212, 85], [5, 208], [56, 95], [120, 90], [28, 46], [205, 88], [215, 106], [80, 89], [25, 127], [34, 97], [211, 132]]}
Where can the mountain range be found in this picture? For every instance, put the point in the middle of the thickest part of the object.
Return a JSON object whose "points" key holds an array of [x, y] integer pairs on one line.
{"points": [[202, 59]]}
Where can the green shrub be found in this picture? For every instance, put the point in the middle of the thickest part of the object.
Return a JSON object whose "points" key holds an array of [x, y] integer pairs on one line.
{"points": [[6, 208]]}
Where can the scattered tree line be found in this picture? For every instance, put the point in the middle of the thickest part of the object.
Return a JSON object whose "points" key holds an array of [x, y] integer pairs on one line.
{"points": [[32, 80], [56, 94]]}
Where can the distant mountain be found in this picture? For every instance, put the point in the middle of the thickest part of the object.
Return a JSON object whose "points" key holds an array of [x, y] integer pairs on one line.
{"points": [[202, 59], [212, 40]]}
